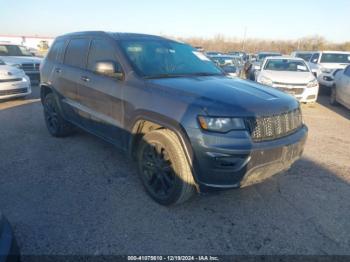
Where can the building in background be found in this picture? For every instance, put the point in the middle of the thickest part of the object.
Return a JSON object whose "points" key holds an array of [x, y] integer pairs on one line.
{"points": [[38, 45]]}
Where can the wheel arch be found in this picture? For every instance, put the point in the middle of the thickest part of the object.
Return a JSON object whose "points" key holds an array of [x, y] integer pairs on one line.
{"points": [[146, 122]]}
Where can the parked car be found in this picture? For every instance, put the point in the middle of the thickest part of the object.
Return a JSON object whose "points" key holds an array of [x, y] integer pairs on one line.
{"points": [[19, 56], [291, 75], [187, 125], [13, 82], [230, 64], [306, 55], [213, 53], [326, 62], [341, 90], [9, 251], [241, 54], [256, 65]]}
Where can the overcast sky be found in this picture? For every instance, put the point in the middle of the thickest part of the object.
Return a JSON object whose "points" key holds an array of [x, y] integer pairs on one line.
{"points": [[287, 19]]}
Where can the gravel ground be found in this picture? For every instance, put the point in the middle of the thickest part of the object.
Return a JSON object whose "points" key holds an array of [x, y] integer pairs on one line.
{"points": [[79, 195]]}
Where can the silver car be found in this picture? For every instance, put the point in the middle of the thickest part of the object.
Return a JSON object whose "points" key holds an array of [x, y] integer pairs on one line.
{"points": [[341, 90]]}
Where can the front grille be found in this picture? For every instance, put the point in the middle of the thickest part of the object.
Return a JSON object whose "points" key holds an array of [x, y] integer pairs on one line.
{"points": [[10, 80], [13, 91], [295, 91], [30, 67], [289, 84], [272, 127]]}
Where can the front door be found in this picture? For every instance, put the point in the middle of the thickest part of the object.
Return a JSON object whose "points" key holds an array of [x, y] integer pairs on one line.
{"points": [[100, 96]]}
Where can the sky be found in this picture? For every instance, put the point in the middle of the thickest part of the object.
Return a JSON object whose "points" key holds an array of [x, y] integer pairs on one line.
{"points": [[268, 19]]}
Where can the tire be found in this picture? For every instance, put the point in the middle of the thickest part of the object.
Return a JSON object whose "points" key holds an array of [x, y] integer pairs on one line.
{"points": [[164, 169], [55, 123], [333, 97]]}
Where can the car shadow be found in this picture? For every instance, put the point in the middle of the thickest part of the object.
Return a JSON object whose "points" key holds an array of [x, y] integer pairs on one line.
{"points": [[339, 109]]}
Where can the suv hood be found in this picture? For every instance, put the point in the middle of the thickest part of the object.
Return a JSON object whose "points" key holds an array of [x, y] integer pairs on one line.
{"points": [[8, 72], [12, 60], [223, 96], [288, 77]]}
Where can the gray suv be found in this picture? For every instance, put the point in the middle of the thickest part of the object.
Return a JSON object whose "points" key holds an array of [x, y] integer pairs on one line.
{"points": [[188, 126]]}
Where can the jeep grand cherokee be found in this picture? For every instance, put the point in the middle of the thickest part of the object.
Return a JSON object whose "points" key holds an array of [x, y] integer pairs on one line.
{"points": [[188, 126]]}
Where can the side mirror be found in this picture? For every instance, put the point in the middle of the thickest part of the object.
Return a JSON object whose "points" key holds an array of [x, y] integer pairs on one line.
{"points": [[108, 68]]}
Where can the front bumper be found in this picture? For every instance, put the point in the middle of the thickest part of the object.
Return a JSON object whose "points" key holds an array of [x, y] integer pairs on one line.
{"points": [[15, 89], [9, 250], [229, 162]]}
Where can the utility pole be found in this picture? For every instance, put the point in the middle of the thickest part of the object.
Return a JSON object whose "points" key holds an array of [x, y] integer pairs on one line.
{"points": [[244, 38]]}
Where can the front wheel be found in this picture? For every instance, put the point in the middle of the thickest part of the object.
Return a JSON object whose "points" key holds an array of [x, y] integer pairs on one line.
{"points": [[164, 169]]}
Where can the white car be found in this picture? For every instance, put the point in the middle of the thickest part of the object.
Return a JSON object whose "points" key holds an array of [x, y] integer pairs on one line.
{"points": [[325, 63], [19, 56], [306, 55], [13, 82], [341, 89], [291, 75]]}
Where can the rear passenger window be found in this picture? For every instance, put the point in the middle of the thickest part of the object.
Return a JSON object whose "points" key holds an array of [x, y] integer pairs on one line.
{"points": [[55, 50], [101, 51], [77, 52]]}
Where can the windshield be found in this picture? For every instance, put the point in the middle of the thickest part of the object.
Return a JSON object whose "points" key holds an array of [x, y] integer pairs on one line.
{"points": [[286, 65], [263, 56], [305, 56], [335, 58], [14, 50], [161, 58]]}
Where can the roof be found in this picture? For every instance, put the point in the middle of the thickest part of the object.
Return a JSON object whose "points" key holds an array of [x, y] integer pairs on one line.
{"points": [[263, 53], [334, 52], [285, 57], [115, 35]]}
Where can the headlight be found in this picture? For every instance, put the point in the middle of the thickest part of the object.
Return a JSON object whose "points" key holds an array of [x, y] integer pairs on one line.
{"points": [[265, 81], [326, 70], [313, 83], [221, 124], [24, 79]]}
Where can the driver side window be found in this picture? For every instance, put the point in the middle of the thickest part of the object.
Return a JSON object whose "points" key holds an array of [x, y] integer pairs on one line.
{"points": [[102, 50]]}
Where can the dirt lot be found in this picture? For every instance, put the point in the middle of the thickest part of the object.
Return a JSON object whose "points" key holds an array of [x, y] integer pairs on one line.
{"points": [[79, 195]]}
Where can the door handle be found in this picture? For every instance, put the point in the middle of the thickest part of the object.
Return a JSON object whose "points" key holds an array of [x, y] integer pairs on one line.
{"points": [[58, 70], [85, 78]]}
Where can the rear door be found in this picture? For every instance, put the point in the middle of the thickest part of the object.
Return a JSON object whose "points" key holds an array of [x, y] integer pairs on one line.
{"points": [[69, 73], [100, 95]]}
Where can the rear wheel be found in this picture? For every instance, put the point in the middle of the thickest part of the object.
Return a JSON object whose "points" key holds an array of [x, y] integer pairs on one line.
{"points": [[57, 126], [164, 169], [333, 97]]}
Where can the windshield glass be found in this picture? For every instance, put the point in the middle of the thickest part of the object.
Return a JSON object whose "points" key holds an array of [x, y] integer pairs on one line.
{"points": [[305, 56], [263, 56], [161, 58], [335, 58], [286, 65], [14, 50]]}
